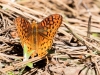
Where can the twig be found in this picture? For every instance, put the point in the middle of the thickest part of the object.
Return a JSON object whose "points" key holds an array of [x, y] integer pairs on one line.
{"points": [[15, 66], [89, 21]]}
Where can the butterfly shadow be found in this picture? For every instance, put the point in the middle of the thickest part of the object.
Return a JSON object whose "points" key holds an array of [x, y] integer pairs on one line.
{"points": [[17, 49]]}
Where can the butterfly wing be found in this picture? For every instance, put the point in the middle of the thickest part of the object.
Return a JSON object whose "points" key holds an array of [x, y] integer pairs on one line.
{"points": [[46, 31], [24, 30]]}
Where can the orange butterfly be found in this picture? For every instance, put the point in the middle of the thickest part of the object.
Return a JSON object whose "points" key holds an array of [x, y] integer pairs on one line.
{"points": [[38, 37]]}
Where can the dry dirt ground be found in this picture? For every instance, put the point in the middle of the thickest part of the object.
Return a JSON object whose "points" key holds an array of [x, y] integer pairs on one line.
{"points": [[76, 46]]}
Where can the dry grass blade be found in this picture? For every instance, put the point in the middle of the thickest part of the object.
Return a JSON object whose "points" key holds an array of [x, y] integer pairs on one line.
{"points": [[89, 45], [19, 65]]}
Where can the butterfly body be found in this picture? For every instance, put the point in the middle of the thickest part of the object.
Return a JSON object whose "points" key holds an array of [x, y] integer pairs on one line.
{"points": [[38, 37]]}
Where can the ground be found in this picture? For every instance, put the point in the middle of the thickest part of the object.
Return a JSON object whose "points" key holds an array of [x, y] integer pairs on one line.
{"points": [[76, 45]]}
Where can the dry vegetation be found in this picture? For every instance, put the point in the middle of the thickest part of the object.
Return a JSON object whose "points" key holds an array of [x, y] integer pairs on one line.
{"points": [[76, 45]]}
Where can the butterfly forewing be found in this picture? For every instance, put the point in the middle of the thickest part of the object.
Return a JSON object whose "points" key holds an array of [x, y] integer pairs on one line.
{"points": [[24, 30]]}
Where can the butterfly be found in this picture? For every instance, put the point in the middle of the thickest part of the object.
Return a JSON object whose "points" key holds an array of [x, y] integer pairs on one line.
{"points": [[38, 37]]}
